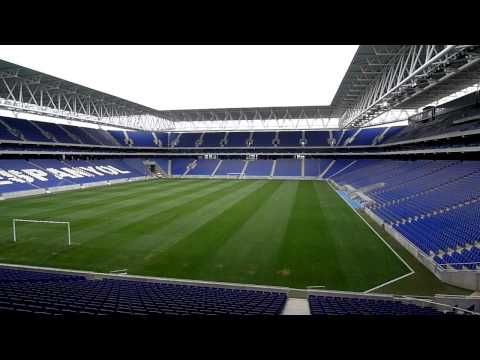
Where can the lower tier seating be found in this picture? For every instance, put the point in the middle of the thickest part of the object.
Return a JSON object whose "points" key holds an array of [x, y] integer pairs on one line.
{"points": [[63, 295], [435, 204], [337, 305]]}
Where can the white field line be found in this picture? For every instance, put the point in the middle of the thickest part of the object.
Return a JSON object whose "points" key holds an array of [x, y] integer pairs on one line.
{"points": [[385, 242], [119, 271]]}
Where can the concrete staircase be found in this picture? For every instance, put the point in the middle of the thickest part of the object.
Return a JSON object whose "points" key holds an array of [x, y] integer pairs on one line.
{"points": [[326, 169], [216, 168], [242, 173], [45, 133], [190, 166], [273, 168], [13, 131], [72, 135]]}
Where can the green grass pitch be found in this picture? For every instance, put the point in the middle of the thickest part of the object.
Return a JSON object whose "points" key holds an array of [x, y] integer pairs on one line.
{"points": [[267, 232]]}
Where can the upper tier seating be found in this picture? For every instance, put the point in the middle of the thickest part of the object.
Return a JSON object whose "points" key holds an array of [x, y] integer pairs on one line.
{"points": [[81, 134], [337, 135], [162, 138], [5, 134], [345, 137], [263, 139], [391, 132], [27, 129], [119, 135], [187, 139], [212, 139], [20, 130], [289, 138], [366, 136], [317, 138], [142, 138], [60, 135], [237, 139]]}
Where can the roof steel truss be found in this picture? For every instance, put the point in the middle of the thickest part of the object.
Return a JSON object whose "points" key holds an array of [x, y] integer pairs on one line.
{"points": [[40, 94], [392, 78]]}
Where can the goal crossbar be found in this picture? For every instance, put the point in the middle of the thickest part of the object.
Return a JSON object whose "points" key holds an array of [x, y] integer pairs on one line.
{"points": [[14, 221]]}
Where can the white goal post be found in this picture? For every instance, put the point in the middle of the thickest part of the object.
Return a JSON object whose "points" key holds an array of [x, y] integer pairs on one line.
{"points": [[14, 221]]}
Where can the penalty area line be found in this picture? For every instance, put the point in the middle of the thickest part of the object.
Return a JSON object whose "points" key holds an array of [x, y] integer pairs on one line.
{"points": [[411, 271], [124, 271]]}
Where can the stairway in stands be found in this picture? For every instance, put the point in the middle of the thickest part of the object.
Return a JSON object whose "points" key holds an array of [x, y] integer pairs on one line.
{"points": [[13, 131]]}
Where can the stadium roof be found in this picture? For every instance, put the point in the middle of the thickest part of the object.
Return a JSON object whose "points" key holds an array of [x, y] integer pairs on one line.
{"points": [[380, 78]]}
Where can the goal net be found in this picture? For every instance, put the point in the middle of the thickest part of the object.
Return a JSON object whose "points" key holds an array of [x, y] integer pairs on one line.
{"points": [[233, 175], [46, 231]]}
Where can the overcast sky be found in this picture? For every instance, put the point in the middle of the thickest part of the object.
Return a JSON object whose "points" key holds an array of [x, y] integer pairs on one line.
{"points": [[189, 77]]}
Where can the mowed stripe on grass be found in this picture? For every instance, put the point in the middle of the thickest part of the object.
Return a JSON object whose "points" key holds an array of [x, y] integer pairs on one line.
{"points": [[286, 233]]}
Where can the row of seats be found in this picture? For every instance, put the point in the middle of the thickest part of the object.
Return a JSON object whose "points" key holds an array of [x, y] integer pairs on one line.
{"points": [[55, 294], [25, 175], [265, 168], [337, 305], [36, 131], [31, 292], [22, 174], [12, 129], [433, 203]]}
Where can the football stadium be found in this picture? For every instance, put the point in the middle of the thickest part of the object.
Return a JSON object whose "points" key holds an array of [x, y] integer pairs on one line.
{"points": [[365, 206]]}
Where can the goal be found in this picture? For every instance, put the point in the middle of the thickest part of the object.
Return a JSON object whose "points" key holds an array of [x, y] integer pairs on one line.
{"points": [[66, 223], [234, 175]]}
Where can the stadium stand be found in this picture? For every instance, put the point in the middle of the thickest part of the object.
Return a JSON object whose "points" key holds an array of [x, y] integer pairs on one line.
{"points": [[28, 131], [187, 139], [179, 166], [288, 167], [434, 204], [81, 134], [317, 138], [315, 167], [346, 136], [120, 137], [263, 139], [290, 138], [366, 136], [212, 139], [259, 168], [21, 175], [237, 139], [162, 138], [338, 305], [50, 294], [229, 167], [142, 139], [59, 134], [203, 167], [338, 166]]}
